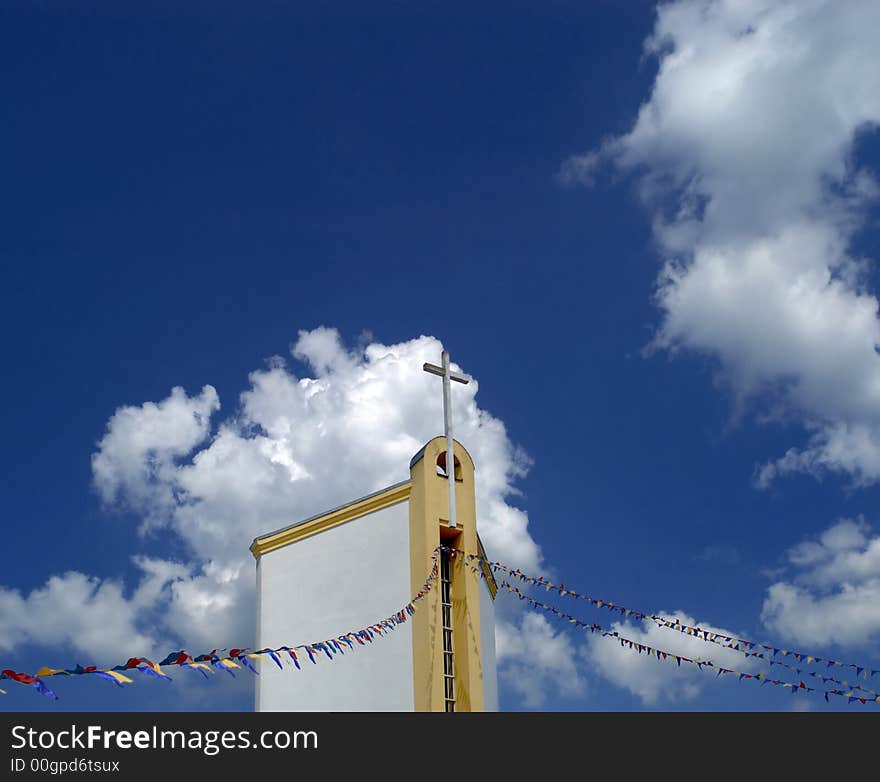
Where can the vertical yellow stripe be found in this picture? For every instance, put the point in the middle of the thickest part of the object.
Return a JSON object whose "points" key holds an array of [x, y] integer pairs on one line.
{"points": [[428, 527]]}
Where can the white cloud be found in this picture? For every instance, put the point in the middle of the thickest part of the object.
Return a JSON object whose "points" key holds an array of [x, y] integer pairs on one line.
{"points": [[135, 461], [655, 680], [746, 154], [94, 617], [537, 661], [580, 169], [296, 445], [832, 592]]}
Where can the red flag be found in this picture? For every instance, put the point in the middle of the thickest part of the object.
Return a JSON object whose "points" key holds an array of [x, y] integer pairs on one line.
{"points": [[21, 678]]}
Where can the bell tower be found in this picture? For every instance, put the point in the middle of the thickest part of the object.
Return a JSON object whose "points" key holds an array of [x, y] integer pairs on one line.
{"points": [[448, 633]]}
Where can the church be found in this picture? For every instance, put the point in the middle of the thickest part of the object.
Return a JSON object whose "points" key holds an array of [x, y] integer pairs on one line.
{"points": [[353, 565]]}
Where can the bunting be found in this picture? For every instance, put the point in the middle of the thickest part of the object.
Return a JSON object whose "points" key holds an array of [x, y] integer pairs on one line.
{"points": [[851, 694], [769, 654], [234, 659], [230, 660]]}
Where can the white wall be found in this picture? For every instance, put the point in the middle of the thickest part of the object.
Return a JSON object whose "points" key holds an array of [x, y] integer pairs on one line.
{"points": [[487, 642], [343, 579]]}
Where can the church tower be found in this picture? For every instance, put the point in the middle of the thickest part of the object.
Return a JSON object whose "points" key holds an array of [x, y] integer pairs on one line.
{"points": [[359, 563]]}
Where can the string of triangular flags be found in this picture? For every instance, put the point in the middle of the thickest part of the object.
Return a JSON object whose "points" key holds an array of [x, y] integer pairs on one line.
{"points": [[730, 642], [852, 696], [235, 658], [852, 691]]}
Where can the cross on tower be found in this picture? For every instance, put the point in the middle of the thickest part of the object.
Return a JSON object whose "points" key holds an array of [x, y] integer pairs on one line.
{"points": [[447, 374]]}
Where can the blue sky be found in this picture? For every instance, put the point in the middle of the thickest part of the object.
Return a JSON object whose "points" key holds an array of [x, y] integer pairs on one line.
{"points": [[185, 192]]}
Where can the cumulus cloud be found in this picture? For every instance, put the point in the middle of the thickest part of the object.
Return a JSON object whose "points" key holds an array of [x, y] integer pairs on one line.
{"points": [[537, 661], [89, 614], [831, 591], [297, 443], [655, 680], [136, 459], [746, 153]]}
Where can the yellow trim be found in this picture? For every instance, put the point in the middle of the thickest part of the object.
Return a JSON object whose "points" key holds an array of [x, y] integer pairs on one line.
{"points": [[285, 537]]}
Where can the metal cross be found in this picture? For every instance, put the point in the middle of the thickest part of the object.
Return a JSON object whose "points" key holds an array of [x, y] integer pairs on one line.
{"points": [[447, 374]]}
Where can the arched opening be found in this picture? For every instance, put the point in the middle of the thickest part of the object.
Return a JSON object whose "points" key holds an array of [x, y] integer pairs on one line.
{"points": [[441, 466]]}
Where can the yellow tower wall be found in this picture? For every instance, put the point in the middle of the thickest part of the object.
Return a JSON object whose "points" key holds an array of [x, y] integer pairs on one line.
{"points": [[429, 526]]}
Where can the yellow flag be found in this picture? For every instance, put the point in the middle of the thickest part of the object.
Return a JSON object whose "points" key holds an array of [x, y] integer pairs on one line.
{"points": [[118, 676], [48, 671]]}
